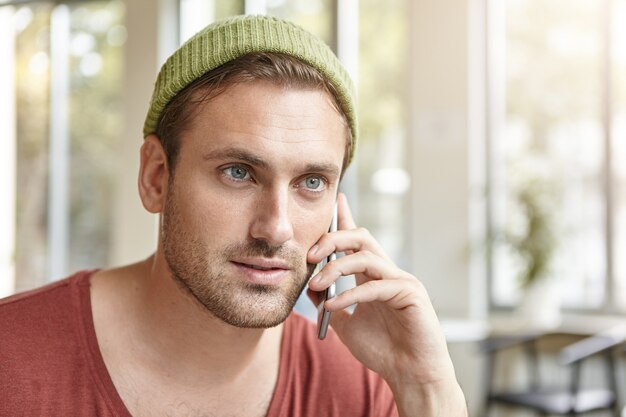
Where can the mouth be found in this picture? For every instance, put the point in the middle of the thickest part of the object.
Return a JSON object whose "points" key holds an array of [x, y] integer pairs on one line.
{"points": [[260, 268], [257, 267], [262, 264], [262, 271]]}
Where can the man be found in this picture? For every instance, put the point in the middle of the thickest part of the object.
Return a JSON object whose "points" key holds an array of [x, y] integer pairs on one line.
{"points": [[249, 131]]}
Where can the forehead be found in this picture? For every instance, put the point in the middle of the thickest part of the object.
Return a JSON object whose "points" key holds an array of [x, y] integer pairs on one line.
{"points": [[282, 122]]}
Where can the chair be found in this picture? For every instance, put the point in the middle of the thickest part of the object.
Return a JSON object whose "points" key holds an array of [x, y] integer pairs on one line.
{"points": [[571, 400]]}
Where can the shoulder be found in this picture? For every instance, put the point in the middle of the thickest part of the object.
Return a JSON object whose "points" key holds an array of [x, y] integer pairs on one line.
{"points": [[44, 364], [40, 325], [44, 304]]}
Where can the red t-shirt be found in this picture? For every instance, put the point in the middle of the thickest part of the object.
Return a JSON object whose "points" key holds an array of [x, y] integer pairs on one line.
{"points": [[50, 363]]}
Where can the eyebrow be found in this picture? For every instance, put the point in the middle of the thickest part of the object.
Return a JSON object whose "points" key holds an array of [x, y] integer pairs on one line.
{"points": [[236, 153], [254, 160]]}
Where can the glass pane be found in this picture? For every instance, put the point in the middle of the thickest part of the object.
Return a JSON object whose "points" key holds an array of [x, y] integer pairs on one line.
{"points": [[549, 160], [32, 49], [383, 182], [619, 149], [313, 15], [196, 14], [94, 54], [97, 37], [225, 8]]}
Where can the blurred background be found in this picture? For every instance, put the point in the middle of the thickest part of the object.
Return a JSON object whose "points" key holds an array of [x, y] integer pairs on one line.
{"points": [[491, 161]]}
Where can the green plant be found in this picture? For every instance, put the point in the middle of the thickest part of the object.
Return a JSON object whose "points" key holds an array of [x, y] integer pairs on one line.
{"points": [[536, 244]]}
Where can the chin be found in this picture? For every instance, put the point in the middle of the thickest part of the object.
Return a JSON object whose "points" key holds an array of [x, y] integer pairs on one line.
{"points": [[255, 307], [254, 318]]}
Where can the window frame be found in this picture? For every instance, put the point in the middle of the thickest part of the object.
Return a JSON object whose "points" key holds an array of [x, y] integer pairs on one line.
{"points": [[495, 118]]}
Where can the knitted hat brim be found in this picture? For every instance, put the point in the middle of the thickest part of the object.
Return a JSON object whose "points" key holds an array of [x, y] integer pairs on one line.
{"points": [[229, 39]]}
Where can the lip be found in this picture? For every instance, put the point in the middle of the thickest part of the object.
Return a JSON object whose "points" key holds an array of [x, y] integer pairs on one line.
{"points": [[273, 273]]}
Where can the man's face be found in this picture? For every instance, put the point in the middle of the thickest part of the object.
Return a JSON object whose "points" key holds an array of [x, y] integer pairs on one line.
{"points": [[253, 189]]}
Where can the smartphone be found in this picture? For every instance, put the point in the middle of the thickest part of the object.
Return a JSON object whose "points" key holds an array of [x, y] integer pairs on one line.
{"points": [[323, 315]]}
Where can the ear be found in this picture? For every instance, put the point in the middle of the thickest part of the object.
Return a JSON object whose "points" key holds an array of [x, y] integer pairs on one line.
{"points": [[153, 174]]}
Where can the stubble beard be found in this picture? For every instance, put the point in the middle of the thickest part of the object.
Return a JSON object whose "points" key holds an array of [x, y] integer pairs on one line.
{"points": [[201, 273]]}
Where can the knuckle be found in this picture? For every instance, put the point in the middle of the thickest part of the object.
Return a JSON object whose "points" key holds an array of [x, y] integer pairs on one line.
{"points": [[363, 232], [418, 285], [325, 242], [330, 268]]}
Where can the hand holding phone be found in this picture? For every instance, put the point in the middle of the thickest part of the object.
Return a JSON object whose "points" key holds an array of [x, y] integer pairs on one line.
{"points": [[323, 315]]}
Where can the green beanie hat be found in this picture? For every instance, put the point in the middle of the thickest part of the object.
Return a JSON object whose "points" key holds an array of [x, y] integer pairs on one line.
{"points": [[228, 39]]}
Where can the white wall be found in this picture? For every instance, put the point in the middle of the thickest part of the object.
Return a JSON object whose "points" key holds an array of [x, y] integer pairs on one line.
{"points": [[447, 104], [135, 230], [444, 116]]}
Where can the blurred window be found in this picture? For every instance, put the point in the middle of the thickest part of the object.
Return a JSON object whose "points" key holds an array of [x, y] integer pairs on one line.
{"points": [[557, 148], [61, 81], [618, 148]]}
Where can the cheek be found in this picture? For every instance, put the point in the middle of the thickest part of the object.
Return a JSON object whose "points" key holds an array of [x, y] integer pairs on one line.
{"points": [[213, 213], [309, 227]]}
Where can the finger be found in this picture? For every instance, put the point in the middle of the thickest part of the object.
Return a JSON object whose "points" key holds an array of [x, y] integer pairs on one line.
{"points": [[364, 262], [342, 241], [347, 241], [396, 294], [345, 221]]}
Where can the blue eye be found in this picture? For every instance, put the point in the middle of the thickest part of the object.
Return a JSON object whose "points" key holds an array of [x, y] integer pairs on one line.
{"points": [[314, 183], [237, 172]]}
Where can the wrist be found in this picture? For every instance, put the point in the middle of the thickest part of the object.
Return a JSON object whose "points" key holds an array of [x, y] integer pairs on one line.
{"points": [[436, 399]]}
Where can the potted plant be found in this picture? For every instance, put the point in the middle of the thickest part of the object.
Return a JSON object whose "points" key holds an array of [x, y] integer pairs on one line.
{"points": [[534, 246]]}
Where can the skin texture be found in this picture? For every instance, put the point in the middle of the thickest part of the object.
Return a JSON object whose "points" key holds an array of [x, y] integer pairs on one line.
{"points": [[258, 205], [205, 271], [254, 184]]}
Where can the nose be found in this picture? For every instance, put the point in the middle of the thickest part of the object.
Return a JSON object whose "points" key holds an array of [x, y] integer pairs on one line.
{"points": [[272, 223]]}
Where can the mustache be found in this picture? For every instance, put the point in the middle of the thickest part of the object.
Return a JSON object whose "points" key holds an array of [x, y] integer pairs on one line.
{"points": [[260, 248]]}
